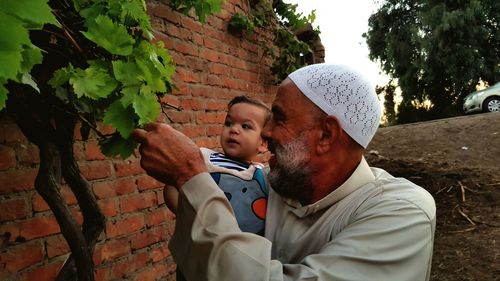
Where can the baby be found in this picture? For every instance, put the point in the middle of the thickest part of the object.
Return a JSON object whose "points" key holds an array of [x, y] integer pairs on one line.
{"points": [[237, 171]]}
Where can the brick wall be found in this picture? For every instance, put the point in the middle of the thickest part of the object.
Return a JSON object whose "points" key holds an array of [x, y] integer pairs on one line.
{"points": [[212, 67]]}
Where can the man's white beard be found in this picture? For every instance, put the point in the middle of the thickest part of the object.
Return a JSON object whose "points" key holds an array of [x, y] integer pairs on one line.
{"points": [[290, 176]]}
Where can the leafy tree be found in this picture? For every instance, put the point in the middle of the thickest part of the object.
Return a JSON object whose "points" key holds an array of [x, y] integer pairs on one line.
{"points": [[436, 50], [65, 62]]}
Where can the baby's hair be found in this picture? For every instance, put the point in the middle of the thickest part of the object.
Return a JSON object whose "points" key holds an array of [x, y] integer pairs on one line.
{"points": [[249, 100]]}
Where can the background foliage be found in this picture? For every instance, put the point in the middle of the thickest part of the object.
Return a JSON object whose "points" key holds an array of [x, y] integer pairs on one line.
{"points": [[436, 51]]}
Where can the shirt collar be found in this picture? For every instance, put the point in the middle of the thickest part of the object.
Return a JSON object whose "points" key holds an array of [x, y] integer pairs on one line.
{"points": [[361, 176]]}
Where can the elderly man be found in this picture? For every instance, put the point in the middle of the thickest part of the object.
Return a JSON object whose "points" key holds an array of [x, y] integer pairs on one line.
{"points": [[329, 217]]}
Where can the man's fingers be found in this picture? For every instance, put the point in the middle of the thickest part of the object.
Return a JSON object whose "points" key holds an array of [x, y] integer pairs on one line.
{"points": [[151, 126], [139, 135]]}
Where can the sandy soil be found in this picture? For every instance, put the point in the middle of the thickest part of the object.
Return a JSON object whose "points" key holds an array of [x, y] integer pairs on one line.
{"points": [[458, 161]]}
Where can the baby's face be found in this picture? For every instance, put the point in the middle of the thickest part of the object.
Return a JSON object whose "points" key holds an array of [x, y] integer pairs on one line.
{"points": [[240, 137]]}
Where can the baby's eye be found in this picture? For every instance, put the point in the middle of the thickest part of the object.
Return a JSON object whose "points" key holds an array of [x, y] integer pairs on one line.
{"points": [[227, 123], [246, 126]]}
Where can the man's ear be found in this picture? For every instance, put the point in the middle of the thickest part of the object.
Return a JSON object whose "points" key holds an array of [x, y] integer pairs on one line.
{"points": [[330, 133]]}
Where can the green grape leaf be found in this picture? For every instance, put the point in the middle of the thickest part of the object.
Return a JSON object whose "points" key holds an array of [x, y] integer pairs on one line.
{"points": [[137, 11], [61, 76], [93, 11], [126, 72], [121, 118], [146, 106], [151, 76], [3, 95], [36, 13], [116, 145], [31, 55], [62, 94], [28, 80], [110, 36], [14, 36], [93, 82], [129, 94]]}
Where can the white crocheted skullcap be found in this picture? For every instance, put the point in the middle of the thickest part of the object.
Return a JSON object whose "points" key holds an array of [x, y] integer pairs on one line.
{"points": [[345, 93]]}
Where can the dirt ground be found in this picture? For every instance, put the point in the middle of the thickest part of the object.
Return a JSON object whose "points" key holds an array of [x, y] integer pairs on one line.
{"points": [[458, 161]]}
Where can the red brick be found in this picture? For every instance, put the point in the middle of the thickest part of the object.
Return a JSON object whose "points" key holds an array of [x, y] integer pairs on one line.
{"points": [[101, 274], [214, 80], [192, 25], [104, 189], [217, 68], [126, 226], [105, 129], [186, 48], [128, 168], [56, 246], [96, 169], [28, 154], [193, 131], [192, 104], [210, 118], [12, 209], [123, 269], [109, 207], [7, 157], [203, 91], [44, 273], [22, 256], [10, 133], [38, 227], [209, 55], [198, 39], [165, 12], [78, 151], [182, 89], [148, 237], [110, 250], [212, 43], [172, 30], [17, 180], [107, 189], [214, 131], [206, 142], [160, 198], [93, 151], [156, 217], [159, 253], [180, 117], [136, 202], [152, 274], [245, 75], [145, 182], [185, 75]]}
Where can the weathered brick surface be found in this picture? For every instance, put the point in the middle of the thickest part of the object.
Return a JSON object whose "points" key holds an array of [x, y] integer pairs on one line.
{"points": [[212, 67]]}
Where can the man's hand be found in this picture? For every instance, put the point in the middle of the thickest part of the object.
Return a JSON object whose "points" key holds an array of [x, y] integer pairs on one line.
{"points": [[168, 155]]}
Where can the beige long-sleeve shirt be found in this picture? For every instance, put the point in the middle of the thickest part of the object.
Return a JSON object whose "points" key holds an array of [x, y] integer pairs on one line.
{"points": [[373, 227]]}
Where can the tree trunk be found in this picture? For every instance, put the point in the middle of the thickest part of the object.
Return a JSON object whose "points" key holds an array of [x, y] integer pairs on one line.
{"points": [[53, 134]]}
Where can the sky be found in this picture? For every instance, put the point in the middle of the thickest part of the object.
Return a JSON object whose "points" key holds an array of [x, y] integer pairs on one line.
{"points": [[342, 23]]}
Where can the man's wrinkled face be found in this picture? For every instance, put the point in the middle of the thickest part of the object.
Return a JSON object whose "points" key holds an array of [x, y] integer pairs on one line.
{"points": [[290, 140]]}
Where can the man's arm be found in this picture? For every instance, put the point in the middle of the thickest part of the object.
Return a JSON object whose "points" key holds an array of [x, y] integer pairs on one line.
{"points": [[391, 240]]}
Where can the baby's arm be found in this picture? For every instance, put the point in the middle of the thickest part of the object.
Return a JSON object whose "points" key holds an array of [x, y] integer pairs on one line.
{"points": [[171, 196]]}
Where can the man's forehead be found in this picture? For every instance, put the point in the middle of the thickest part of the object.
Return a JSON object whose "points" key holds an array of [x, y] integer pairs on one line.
{"points": [[289, 96]]}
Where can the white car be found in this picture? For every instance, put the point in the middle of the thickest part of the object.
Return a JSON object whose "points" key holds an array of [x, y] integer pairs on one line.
{"points": [[486, 100]]}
